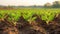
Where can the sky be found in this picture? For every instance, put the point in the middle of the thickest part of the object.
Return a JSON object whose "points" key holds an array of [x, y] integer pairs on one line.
{"points": [[24, 2]]}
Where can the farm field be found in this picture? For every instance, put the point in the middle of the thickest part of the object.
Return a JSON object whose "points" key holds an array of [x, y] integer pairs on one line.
{"points": [[30, 21]]}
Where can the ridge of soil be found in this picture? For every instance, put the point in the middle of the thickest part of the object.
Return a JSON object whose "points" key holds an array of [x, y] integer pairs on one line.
{"points": [[36, 27]]}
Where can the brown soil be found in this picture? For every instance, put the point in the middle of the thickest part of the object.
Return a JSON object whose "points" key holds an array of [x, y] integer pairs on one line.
{"points": [[8, 30]]}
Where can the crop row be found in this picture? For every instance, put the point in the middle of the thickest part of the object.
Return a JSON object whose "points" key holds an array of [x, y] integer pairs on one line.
{"points": [[13, 15]]}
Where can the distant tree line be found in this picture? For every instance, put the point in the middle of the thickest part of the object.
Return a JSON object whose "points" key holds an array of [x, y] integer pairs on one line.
{"points": [[55, 4]]}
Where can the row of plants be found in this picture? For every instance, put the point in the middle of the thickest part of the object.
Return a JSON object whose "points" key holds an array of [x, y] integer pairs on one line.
{"points": [[13, 15]]}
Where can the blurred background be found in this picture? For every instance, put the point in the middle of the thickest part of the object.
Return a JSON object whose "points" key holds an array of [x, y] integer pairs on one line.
{"points": [[30, 3]]}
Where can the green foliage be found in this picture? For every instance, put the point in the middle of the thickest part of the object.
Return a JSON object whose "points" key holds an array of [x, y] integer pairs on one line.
{"points": [[27, 13], [48, 16], [2, 14], [14, 16]]}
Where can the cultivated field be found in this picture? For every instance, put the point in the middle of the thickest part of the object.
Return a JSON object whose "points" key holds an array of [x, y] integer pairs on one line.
{"points": [[30, 21]]}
